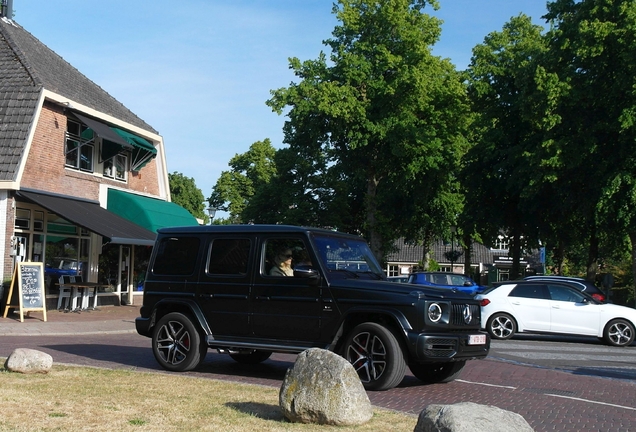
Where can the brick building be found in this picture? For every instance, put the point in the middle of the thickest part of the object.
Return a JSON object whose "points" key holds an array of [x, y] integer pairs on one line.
{"points": [[83, 180]]}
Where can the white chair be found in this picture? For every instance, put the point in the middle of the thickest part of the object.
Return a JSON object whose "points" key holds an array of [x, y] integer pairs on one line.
{"points": [[65, 293], [88, 292], [75, 294]]}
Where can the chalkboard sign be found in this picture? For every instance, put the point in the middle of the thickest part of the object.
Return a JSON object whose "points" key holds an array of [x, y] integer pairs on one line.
{"points": [[29, 295]]}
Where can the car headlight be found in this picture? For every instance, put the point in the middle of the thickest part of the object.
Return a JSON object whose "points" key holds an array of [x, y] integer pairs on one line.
{"points": [[434, 312]]}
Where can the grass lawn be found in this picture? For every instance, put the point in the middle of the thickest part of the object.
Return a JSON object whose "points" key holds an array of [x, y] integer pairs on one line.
{"points": [[71, 398]]}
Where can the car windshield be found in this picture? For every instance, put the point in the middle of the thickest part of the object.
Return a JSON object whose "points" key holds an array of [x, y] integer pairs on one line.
{"points": [[351, 257]]}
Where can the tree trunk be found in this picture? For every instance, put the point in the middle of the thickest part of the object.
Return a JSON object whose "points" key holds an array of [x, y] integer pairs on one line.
{"points": [[632, 238], [592, 260], [468, 248], [515, 271], [426, 252], [375, 237]]}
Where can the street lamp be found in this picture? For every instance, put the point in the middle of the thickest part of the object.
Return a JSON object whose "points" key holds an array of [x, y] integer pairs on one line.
{"points": [[211, 213]]}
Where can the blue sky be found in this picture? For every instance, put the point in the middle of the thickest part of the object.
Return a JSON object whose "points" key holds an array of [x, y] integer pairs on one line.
{"points": [[200, 71]]}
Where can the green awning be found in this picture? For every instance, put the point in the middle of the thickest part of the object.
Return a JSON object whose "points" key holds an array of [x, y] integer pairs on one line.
{"points": [[143, 151], [149, 213]]}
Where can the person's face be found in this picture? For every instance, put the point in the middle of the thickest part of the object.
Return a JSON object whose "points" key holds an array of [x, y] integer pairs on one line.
{"points": [[286, 256]]}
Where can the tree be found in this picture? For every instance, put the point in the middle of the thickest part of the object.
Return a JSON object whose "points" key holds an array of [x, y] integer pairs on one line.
{"points": [[591, 46], [249, 171], [496, 168], [184, 192], [383, 113]]}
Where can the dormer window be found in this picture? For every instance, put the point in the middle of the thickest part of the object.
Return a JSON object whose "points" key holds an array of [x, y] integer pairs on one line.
{"points": [[80, 148], [116, 167]]}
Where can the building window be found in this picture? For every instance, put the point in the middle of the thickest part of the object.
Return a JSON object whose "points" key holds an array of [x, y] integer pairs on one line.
{"points": [[116, 167], [79, 147], [22, 218], [501, 243], [394, 270]]}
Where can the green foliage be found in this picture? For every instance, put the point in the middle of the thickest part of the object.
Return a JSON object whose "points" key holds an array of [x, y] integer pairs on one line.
{"points": [[183, 191], [249, 172], [382, 121]]}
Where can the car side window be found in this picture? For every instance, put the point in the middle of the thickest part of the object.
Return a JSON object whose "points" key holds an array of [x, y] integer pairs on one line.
{"points": [[229, 256], [536, 291], [282, 255], [564, 293], [440, 279], [458, 280]]}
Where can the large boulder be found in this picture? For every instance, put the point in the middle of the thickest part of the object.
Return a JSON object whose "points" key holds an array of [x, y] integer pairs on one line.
{"points": [[28, 361], [469, 417], [323, 388]]}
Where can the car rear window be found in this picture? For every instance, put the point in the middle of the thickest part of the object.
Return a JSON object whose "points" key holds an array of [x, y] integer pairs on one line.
{"points": [[176, 256], [229, 256]]}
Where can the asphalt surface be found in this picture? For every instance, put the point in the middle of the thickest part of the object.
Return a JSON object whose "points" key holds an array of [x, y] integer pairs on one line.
{"points": [[550, 400]]}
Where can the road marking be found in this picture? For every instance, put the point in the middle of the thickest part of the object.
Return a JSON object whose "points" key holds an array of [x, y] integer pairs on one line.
{"points": [[569, 356], [590, 401], [486, 384]]}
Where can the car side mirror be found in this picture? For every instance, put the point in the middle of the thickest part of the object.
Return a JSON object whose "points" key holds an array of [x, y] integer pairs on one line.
{"points": [[306, 272]]}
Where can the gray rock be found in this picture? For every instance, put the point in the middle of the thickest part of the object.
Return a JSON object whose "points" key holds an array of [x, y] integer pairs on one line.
{"points": [[28, 361], [323, 388], [469, 417]]}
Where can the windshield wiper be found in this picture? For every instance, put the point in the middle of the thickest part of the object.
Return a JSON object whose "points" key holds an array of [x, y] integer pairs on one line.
{"points": [[374, 274], [349, 272]]}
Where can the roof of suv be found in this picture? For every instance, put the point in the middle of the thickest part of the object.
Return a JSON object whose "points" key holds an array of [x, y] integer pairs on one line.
{"points": [[251, 228]]}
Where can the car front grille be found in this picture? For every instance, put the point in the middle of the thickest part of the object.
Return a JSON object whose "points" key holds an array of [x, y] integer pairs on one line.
{"points": [[459, 310]]}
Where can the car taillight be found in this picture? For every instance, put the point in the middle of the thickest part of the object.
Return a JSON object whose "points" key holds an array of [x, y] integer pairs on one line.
{"points": [[484, 302], [599, 297]]}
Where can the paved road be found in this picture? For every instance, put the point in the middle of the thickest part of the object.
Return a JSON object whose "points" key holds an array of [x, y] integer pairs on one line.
{"points": [[578, 355], [548, 399]]}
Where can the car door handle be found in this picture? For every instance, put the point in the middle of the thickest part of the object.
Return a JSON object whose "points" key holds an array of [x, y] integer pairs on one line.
{"points": [[262, 298]]}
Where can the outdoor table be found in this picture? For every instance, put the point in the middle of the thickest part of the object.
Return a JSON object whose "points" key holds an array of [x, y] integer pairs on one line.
{"points": [[86, 288]]}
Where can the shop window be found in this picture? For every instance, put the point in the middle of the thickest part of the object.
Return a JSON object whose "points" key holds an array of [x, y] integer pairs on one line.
{"points": [[38, 221], [22, 218], [116, 167], [79, 147]]}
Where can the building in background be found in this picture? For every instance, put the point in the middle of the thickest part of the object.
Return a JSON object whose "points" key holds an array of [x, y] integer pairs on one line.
{"points": [[83, 180]]}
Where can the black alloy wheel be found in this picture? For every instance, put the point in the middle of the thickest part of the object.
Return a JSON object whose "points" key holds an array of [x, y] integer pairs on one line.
{"points": [[176, 343], [376, 355]]}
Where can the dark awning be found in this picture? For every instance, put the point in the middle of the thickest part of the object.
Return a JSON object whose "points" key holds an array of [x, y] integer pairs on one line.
{"points": [[112, 142], [103, 131], [90, 215]]}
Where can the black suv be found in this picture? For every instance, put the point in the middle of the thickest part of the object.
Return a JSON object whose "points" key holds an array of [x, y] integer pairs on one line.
{"points": [[222, 287]]}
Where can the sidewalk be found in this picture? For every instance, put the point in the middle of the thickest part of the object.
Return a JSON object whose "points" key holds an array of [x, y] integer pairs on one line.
{"points": [[104, 320]]}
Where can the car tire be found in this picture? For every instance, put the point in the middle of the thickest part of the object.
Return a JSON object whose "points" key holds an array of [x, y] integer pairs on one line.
{"points": [[376, 355], [251, 358], [432, 373], [619, 332], [176, 343], [501, 326]]}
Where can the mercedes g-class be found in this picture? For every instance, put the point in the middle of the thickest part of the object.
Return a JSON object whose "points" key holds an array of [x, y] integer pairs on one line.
{"points": [[224, 287]]}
